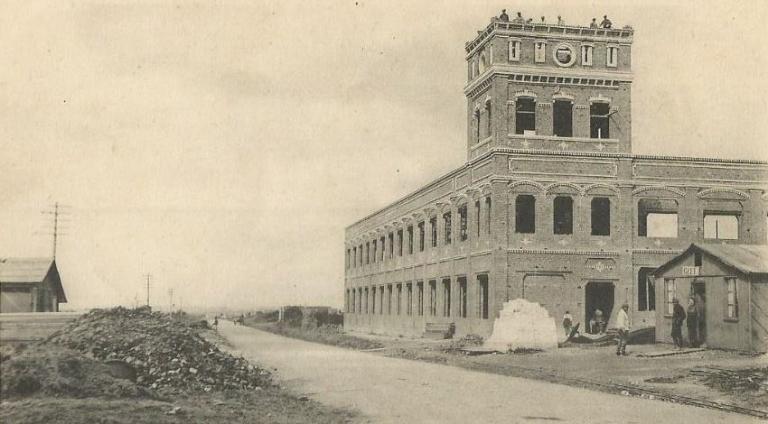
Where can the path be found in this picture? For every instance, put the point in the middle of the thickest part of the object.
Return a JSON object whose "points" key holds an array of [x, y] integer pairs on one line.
{"points": [[391, 390]]}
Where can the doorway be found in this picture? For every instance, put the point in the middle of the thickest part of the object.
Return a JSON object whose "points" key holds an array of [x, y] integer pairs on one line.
{"points": [[598, 296], [699, 293]]}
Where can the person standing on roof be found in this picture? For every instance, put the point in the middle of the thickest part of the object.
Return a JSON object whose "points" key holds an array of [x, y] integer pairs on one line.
{"points": [[623, 325], [606, 22], [519, 18], [593, 24], [678, 316], [560, 20], [504, 17]]}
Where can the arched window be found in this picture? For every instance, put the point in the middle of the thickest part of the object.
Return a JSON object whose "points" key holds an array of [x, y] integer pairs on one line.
{"points": [[477, 125], [525, 214], [488, 125], [563, 216], [483, 63], [525, 115]]}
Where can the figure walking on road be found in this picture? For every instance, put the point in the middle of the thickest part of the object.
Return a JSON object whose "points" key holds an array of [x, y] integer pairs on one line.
{"points": [[678, 316], [567, 323], [623, 325]]}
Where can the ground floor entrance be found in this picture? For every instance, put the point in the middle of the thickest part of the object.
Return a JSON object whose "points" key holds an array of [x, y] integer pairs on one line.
{"points": [[598, 304]]}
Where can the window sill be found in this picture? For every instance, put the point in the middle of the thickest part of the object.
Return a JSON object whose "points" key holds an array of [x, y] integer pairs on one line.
{"points": [[566, 139], [732, 320]]}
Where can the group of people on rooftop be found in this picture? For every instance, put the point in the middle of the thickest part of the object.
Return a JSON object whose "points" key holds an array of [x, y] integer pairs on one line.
{"points": [[606, 23]]}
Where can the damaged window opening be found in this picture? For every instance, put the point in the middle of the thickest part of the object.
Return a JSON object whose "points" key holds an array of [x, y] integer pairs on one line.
{"points": [[463, 222], [721, 226], [477, 126], [389, 299], [354, 257], [381, 300], [367, 252], [399, 242], [446, 297], [360, 301], [488, 123], [646, 290], [391, 245], [373, 300], [563, 216], [374, 246], [420, 298], [525, 115], [488, 215], [599, 115], [562, 123], [421, 236], [447, 227], [601, 216], [365, 296], [463, 297], [383, 242], [433, 228], [482, 288], [657, 218], [477, 218], [410, 239], [432, 297], [409, 299], [525, 214], [399, 299]]}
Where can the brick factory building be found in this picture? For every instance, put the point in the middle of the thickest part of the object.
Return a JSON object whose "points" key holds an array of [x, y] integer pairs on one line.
{"points": [[551, 205]]}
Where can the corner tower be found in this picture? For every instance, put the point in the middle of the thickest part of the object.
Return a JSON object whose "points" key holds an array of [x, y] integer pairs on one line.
{"points": [[554, 87]]}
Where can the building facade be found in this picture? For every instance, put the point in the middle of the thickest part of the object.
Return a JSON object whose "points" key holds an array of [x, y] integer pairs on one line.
{"points": [[551, 205], [30, 285]]}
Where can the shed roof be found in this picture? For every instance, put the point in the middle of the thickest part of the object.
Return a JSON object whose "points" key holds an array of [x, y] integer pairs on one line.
{"points": [[746, 258], [30, 271]]}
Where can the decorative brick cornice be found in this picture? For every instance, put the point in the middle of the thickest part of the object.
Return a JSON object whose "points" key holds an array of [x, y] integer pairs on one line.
{"points": [[674, 190], [714, 190], [565, 252], [658, 251]]}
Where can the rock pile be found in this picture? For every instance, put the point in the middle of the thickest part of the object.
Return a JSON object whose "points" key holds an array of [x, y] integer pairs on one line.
{"points": [[165, 353]]}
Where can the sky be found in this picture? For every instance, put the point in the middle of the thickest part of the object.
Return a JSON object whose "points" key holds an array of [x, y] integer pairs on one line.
{"points": [[223, 146]]}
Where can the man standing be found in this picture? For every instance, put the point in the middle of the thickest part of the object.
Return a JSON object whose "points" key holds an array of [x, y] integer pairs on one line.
{"points": [[678, 316], [567, 323], [693, 323], [623, 325]]}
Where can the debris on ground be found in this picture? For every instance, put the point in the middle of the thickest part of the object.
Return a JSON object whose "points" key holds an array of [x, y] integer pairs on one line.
{"points": [[470, 340], [165, 353], [741, 381], [665, 379]]}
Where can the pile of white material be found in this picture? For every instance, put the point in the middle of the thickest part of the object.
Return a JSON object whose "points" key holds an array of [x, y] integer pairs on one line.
{"points": [[523, 325]]}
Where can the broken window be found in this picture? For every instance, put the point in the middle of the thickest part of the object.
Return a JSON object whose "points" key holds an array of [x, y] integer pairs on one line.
{"points": [[477, 125], [477, 218], [525, 214], [365, 296], [447, 227], [488, 123], [657, 218], [373, 253], [399, 298], [432, 297], [540, 52], [586, 55], [446, 297], [381, 300], [360, 252], [514, 50], [563, 216], [389, 299], [599, 114], [383, 247], [525, 115], [562, 122], [373, 300], [409, 299], [482, 288], [399, 242], [646, 290], [433, 227], [732, 301], [391, 245], [463, 297], [601, 216], [421, 236], [420, 298], [669, 294], [410, 239], [354, 257], [346, 260], [612, 57], [721, 226], [360, 300], [488, 214], [367, 252], [463, 222]]}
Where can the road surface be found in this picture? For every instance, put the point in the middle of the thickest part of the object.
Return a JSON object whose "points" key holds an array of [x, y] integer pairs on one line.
{"points": [[391, 390]]}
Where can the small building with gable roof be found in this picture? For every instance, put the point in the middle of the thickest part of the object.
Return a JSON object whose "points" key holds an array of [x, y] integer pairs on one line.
{"points": [[30, 285]]}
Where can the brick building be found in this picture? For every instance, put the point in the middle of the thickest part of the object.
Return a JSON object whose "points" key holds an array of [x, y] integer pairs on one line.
{"points": [[551, 205]]}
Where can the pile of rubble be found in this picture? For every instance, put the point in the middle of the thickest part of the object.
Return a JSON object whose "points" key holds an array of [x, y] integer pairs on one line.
{"points": [[164, 353]]}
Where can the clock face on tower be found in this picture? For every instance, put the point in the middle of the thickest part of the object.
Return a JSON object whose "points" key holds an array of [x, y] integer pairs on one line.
{"points": [[564, 55]]}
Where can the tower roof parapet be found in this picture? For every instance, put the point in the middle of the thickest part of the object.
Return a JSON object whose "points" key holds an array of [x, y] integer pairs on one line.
{"points": [[539, 29]]}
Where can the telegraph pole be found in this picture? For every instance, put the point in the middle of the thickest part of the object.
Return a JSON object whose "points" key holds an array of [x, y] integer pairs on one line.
{"points": [[57, 213], [148, 276]]}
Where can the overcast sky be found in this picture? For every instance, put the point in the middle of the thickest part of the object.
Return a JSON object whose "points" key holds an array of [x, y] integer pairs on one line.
{"points": [[223, 146]]}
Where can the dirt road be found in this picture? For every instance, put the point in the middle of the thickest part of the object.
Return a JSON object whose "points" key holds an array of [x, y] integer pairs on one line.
{"points": [[389, 390]]}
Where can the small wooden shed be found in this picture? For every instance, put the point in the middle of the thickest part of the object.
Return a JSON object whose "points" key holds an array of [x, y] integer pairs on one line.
{"points": [[729, 283], [30, 285]]}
